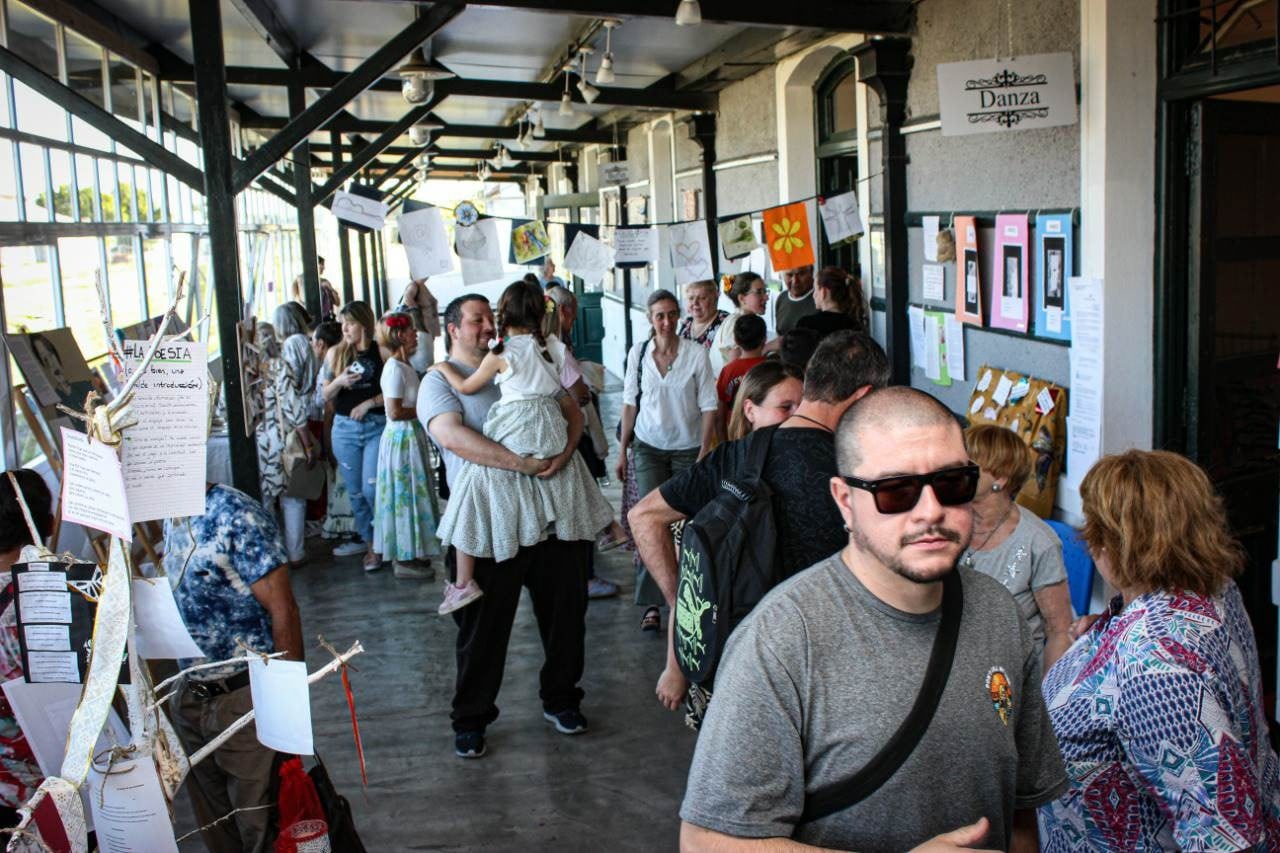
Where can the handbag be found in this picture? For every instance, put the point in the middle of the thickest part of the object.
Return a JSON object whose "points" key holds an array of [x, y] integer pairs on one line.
{"points": [[301, 480], [841, 795], [337, 811]]}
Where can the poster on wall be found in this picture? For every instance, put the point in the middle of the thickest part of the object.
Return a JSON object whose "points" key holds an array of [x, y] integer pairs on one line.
{"points": [[1004, 95], [1053, 270], [968, 275], [786, 229], [54, 369], [1010, 296]]}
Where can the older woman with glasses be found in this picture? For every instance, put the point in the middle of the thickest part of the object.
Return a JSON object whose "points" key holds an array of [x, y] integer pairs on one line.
{"points": [[1159, 706]]}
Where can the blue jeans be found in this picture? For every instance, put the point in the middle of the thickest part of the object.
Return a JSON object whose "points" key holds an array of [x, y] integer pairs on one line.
{"points": [[355, 446]]}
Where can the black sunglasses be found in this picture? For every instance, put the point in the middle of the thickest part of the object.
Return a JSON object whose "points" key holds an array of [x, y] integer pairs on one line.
{"points": [[951, 486]]}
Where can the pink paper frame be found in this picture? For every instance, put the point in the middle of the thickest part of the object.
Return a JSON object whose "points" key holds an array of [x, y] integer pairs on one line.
{"points": [[1010, 259]]}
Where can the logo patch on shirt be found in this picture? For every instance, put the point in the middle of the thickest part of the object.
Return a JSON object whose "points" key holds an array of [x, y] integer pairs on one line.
{"points": [[1001, 693]]}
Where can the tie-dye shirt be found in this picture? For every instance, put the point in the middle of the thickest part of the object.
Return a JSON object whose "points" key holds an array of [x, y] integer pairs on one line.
{"points": [[212, 560], [1159, 713]]}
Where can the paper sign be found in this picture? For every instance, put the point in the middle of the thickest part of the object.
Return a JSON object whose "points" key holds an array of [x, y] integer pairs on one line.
{"points": [[1044, 402], [41, 579], [55, 622], [48, 638], [737, 237], [1001, 394], [840, 217], [786, 231], [479, 251], [43, 667], [359, 210], [51, 606], [163, 454], [934, 283], [634, 246], [935, 365], [690, 251], [129, 810], [282, 705], [915, 324], [426, 245], [1084, 426], [615, 174], [954, 332], [930, 226], [968, 271], [1002, 95], [1010, 294], [161, 632], [588, 258], [93, 490], [1054, 266]]}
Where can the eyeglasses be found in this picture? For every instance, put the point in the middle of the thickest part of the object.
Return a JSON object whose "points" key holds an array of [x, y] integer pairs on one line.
{"points": [[951, 486], [757, 292]]}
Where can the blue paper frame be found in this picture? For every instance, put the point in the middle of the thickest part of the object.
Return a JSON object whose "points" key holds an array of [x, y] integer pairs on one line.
{"points": [[1054, 233]]}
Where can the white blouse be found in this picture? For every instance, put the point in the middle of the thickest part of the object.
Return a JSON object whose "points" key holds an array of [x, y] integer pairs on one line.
{"points": [[671, 406]]}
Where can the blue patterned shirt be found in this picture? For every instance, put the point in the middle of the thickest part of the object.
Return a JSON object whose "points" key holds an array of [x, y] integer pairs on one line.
{"points": [[232, 546]]}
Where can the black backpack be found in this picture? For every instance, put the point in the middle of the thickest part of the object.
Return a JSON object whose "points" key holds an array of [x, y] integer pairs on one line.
{"points": [[728, 562]]}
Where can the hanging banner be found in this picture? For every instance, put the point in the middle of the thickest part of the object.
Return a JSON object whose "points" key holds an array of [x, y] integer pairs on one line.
{"points": [[529, 242], [479, 250], [968, 276], [1002, 95], [738, 237], [840, 218], [690, 249], [615, 174], [786, 229], [425, 243], [588, 258], [634, 247], [1010, 295], [358, 210], [1053, 270]]}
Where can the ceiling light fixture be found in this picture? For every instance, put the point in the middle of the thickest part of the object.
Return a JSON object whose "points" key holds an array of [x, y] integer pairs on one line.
{"points": [[420, 133], [688, 13], [604, 75], [419, 78], [539, 129], [589, 92], [424, 160], [566, 102]]}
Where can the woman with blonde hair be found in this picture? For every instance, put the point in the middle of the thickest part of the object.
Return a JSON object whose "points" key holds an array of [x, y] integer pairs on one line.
{"points": [[1159, 706], [769, 393], [703, 318], [1011, 544], [352, 376]]}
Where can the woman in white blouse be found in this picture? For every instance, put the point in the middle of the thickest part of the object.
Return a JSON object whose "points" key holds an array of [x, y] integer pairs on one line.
{"points": [[668, 418], [750, 295]]}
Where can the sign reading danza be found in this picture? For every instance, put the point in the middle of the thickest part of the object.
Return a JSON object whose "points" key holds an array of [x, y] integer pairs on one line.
{"points": [[999, 95]]}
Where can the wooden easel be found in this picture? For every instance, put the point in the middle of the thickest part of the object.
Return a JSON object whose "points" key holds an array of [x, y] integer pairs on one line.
{"points": [[144, 533]]}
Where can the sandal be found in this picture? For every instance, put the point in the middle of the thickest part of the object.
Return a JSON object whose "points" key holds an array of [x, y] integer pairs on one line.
{"points": [[652, 620]]}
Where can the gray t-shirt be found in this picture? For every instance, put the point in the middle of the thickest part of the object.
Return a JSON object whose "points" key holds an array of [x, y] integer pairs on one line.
{"points": [[1029, 560], [787, 311], [818, 678], [437, 397]]}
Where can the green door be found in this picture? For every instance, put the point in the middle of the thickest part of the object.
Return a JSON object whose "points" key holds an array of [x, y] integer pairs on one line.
{"points": [[588, 329]]}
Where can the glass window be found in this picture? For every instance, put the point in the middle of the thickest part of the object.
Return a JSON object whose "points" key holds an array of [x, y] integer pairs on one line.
{"points": [[155, 261], [124, 174], [83, 133], [8, 183], [33, 37], [63, 186], [157, 195], [33, 189], [122, 281], [107, 191], [84, 68], [4, 100], [28, 288], [206, 285], [37, 114], [842, 113], [124, 91], [89, 201], [149, 106], [79, 262]]}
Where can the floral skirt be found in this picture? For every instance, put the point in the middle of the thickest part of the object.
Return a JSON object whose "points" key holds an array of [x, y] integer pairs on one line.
{"points": [[404, 521], [339, 520]]}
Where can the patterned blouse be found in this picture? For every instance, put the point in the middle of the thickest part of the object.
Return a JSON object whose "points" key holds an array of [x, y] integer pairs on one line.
{"points": [[1159, 713], [708, 334]]}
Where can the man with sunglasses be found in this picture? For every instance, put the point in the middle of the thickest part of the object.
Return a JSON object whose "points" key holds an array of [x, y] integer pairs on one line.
{"points": [[818, 678], [800, 462]]}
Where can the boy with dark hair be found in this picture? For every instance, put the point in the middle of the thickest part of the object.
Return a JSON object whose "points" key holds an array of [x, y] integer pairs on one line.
{"points": [[749, 334]]}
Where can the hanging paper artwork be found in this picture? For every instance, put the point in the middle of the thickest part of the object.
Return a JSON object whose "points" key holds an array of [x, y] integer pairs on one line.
{"points": [[738, 237], [840, 218], [529, 241], [634, 247], [479, 251], [786, 229], [1053, 271], [968, 275], [1010, 300], [935, 348], [690, 251], [426, 244], [588, 259], [358, 210]]}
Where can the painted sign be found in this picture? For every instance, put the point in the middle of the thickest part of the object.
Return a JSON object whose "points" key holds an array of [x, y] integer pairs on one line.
{"points": [[999, 95]]}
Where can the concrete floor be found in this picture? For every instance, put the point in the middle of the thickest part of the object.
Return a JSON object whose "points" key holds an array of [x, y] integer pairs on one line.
{"points": [[616, 788]]}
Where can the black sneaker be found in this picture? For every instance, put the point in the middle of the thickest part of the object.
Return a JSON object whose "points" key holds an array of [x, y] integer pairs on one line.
{"points": [[569, 722], [468, 744]]}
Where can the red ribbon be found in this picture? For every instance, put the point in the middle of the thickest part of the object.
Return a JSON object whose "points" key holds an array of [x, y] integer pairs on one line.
{"points": [[355, 726]]}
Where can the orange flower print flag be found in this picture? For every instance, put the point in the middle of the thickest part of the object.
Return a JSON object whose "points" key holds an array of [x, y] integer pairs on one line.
{"points": [[786, 229]]}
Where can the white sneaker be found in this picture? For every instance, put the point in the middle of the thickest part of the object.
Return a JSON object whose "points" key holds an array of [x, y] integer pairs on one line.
{"points": [[350, 548]]}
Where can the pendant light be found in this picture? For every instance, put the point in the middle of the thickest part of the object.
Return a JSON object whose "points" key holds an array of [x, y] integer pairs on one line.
{"points": [[566, 102], [589, 92], [539, 129], [418, 78], [604, 74], [688, 13]]}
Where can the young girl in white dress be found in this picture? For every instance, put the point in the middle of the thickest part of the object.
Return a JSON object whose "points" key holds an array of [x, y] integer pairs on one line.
{"points": [[492, 512]]}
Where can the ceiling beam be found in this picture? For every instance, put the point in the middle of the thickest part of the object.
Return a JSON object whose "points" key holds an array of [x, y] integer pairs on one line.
{"points": [[352, 84], [321, 157], [395, 168], [372, 150], [262, 16], [471, 131]]}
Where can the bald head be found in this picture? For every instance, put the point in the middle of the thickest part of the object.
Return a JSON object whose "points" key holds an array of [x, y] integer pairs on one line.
{"points": [[888, 411]]}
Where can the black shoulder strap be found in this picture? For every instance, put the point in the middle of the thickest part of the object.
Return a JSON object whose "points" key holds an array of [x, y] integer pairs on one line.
{"points": [[758, 453], [644, 347], [841, 795]]}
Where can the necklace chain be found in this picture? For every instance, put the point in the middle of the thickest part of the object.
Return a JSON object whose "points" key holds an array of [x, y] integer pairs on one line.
{"points": [[973, 549], [811, 420]]}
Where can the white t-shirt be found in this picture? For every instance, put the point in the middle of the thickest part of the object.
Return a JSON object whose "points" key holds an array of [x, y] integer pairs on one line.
{"points": [[528, 374], [400, 381], [671, 406]]}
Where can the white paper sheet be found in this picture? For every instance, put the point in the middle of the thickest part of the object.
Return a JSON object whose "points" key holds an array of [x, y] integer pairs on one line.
{"points": [[359, 210], [1084, 426], [840, 218], [955, 348], [635, 245], [46, 606], [690, 251], [915, 324], [164, 452], [45, 667], [934, 283], [930, 226], [41, 579], [1001, 394], [93, 491], [161, 632], [480, 251], [737, 237], [47, 638], [588, 258], [932, 347], [129, 809], [426, 245], [282, 705]]}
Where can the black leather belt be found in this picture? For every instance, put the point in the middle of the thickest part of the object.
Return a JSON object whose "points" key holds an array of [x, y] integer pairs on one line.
{"points": [[209, 689]]}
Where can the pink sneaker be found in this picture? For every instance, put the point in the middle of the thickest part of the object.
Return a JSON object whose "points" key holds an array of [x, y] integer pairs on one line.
{"points": [[457, 597]]}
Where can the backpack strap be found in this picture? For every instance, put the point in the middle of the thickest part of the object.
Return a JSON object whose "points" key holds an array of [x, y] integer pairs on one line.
{"points": [[841, 795], [644, 347], [758, 453]]}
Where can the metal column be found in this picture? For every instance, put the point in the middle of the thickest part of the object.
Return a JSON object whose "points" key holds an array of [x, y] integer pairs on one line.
{"points": [[224, 254], [703, 131], [306, 215], [344, 234], [365, 289]]}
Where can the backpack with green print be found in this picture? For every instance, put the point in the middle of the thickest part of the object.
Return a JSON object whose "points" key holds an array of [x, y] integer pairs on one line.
{"points": [[728, 562]]}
